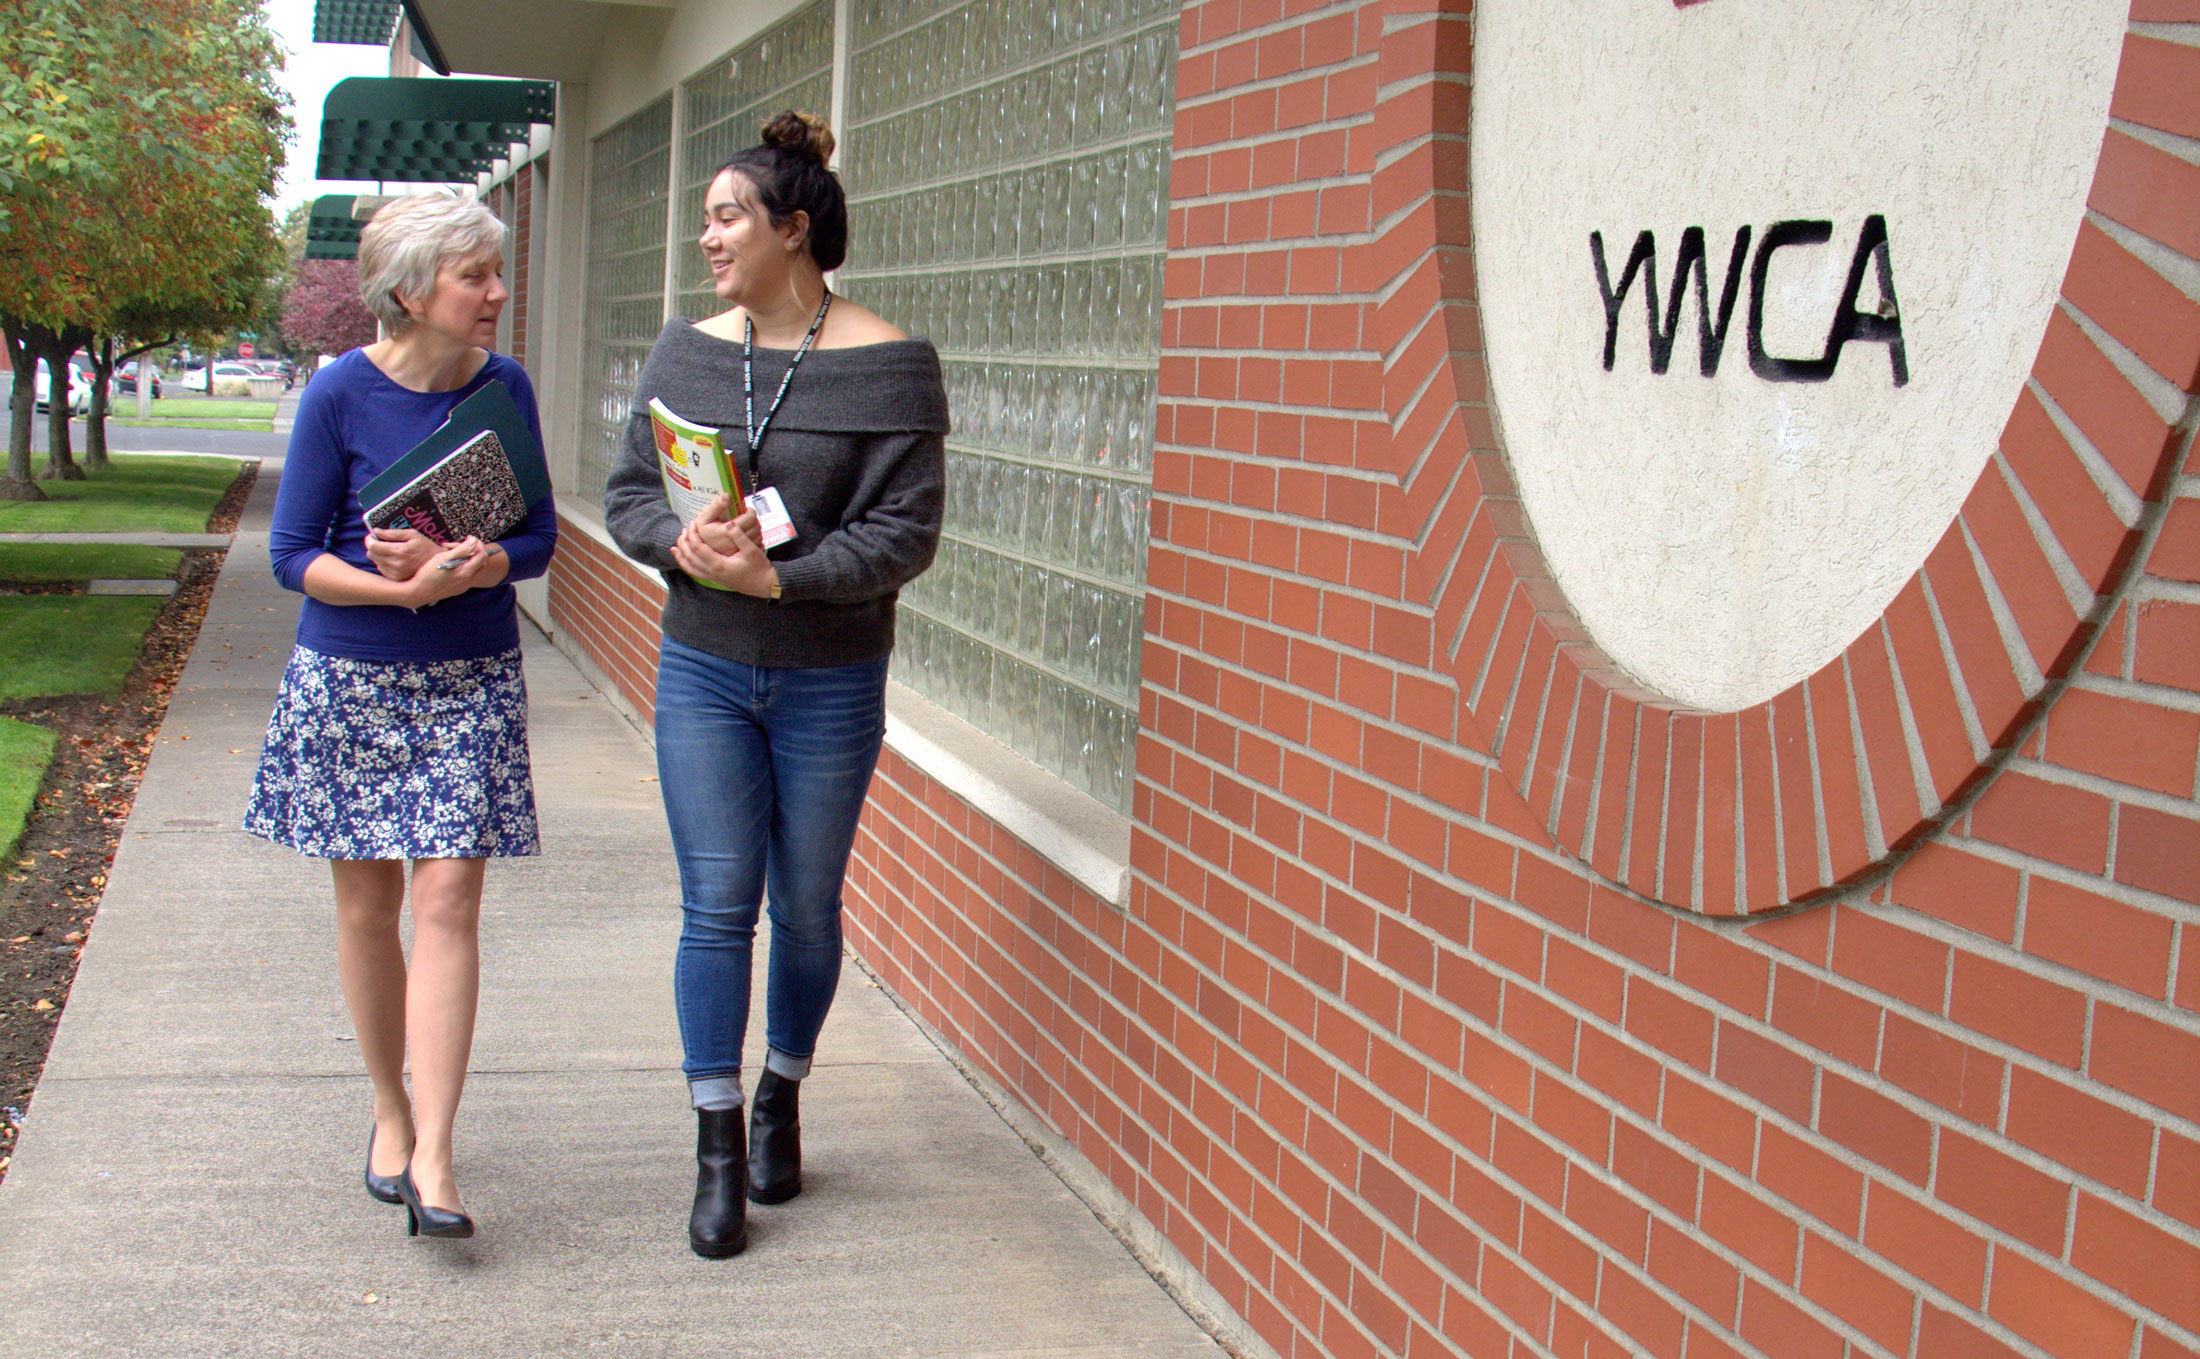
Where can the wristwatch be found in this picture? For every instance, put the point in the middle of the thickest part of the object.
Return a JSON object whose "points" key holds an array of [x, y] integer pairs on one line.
{"points": [[774, 595]]}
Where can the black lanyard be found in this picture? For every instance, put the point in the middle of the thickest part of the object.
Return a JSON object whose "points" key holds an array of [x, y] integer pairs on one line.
{"points": [[748, 384]]}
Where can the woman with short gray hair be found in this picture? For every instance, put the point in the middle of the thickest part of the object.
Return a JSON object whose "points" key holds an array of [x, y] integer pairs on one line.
{"points": [[409, 240], [400, 731]]}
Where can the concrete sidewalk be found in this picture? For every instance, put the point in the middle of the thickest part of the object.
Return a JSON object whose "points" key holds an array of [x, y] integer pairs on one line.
{"points": [[188, 1178]]}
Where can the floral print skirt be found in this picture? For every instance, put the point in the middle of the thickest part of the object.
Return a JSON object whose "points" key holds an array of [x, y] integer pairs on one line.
{"points": [[397, 760]]}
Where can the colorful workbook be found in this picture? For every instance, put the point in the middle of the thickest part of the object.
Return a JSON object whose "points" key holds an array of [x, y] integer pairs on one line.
{"points": [[693, 460]]}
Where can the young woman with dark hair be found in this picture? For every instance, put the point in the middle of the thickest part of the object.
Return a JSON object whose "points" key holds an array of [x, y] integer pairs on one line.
{"points": [[770, 701]]}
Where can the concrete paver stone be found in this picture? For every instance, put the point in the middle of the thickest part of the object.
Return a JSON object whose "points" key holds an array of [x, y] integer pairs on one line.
{"points": [[130, 587]]}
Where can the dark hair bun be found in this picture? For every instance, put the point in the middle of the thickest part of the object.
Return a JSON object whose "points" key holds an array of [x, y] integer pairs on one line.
{"points": [[791, 176], [804, 134]]}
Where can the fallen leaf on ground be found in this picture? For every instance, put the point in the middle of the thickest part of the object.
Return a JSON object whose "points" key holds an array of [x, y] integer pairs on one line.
{"points": [[43, 1005]]}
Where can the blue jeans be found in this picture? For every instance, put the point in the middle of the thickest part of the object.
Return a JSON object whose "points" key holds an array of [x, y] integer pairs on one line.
{"points": [[764, 772]]}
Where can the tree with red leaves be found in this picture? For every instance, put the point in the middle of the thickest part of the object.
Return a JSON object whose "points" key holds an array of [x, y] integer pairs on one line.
{"points": [[323, 312]]}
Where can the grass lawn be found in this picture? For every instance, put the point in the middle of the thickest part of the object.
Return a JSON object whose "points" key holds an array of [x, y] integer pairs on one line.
{"points": [[195, 413], [137, 492], [71, 644], [42, 562], [23, 764], [24, 752], [198, 408]]}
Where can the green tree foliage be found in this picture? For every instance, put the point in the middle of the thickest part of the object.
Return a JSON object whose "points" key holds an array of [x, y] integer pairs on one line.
{"points": [[148, 218], [54, 126], [291, 232]]}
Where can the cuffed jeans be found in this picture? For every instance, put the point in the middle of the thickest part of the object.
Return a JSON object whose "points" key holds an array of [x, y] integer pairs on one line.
{"points": [[764, 772]]}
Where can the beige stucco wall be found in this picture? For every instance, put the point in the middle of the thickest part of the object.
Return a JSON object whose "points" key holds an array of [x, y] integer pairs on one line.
{"points": [[638, 64]]}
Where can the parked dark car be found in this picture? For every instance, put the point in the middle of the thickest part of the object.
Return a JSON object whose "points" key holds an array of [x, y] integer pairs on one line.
{"points": [[126, 379]]}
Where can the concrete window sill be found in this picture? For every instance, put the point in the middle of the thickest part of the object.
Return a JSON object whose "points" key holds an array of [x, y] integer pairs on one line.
{"points": [[1085, 839]]}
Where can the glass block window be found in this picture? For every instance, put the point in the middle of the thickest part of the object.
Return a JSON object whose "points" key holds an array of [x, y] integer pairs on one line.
{"points": [[1007, 165], [788, 66], [630, 169]]}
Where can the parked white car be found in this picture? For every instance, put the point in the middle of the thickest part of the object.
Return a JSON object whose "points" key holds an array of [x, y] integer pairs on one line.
{"points": [[195, 380], [79, 390]]}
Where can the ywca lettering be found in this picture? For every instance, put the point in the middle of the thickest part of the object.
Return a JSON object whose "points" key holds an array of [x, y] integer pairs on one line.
{"points": [[1883, 325]]}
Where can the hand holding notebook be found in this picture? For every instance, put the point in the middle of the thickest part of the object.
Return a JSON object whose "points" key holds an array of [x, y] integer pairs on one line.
{"points": [[476, 476]]}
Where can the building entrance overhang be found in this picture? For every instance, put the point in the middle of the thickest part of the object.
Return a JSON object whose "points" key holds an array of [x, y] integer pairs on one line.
{"points": [[335, 221], [360, 23], [371, 23], [333, 225], [427, 131]]}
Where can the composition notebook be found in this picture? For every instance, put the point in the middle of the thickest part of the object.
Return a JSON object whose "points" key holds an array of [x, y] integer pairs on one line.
{"points": [[477, 475]]}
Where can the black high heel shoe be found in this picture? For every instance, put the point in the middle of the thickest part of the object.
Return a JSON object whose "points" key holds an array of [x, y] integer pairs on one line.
{"points": [[425, 1219], [382, 1187]]}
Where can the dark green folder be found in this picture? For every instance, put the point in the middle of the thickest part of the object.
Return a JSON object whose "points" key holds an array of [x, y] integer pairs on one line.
{"points": [[491, 408]]}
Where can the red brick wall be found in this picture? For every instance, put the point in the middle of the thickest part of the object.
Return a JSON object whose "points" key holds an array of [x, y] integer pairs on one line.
{"points": [[1384, 1043], [609, 610], [523, 234], [1422, 1034]]}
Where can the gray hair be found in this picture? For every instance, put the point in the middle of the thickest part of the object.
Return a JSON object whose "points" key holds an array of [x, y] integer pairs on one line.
{"points": [[409, 239]]}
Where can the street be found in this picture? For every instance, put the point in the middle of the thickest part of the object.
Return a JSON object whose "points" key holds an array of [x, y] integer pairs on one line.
{"points": [[166, 439]]}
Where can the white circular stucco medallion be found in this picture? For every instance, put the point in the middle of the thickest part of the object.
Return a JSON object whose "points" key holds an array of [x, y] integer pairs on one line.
{"points": [[1722, 538]]}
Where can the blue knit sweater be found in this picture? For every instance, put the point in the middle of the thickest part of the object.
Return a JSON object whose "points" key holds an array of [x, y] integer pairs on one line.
{"points": [[353, 422]]}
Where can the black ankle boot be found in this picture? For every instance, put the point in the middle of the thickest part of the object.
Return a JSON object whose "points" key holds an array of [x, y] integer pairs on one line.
{"points": [[775, 1140], [719, 1226]]}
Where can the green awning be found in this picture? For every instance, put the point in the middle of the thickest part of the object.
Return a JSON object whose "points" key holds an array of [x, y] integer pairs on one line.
{"points": [[363, 23], [427, 131], [369, 23], [333, 223]]}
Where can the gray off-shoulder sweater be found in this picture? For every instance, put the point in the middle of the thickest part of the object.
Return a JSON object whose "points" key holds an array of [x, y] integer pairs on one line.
{"points": [[858, 453]]}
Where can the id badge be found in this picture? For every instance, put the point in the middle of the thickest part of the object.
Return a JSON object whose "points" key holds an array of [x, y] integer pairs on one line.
{"points": [[772, 523]]}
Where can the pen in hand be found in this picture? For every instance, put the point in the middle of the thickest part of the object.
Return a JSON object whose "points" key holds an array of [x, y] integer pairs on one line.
{"points": [[460, 561]]}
